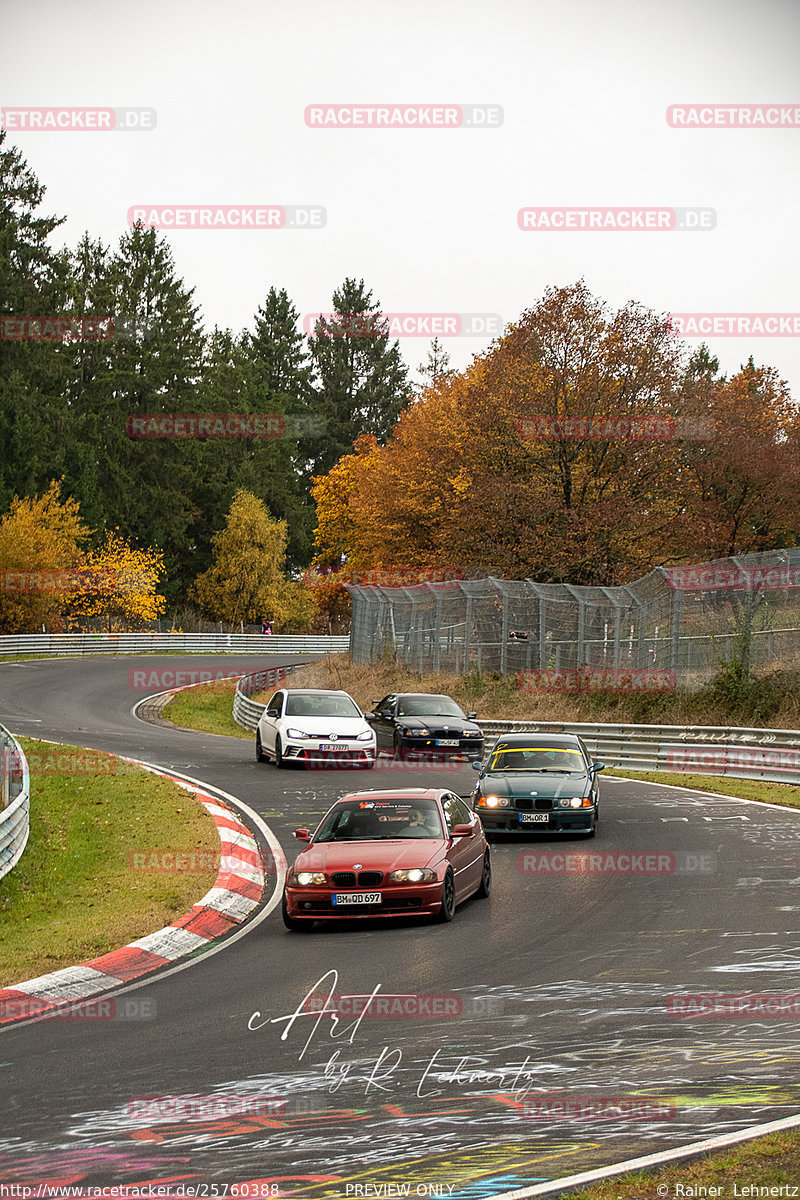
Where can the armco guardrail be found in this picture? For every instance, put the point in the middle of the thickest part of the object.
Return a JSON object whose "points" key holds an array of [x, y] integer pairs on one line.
{"points": [[769, 754], [15, 801], [246, 712], [160, 643]]}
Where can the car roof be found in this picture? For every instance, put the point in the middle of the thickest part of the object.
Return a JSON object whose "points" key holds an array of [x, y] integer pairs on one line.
{"points": [[543, 739], [315, 692], [424, 696], [398, 794]]}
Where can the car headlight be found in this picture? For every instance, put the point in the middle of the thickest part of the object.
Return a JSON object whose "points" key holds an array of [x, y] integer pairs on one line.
{"points": [[492, 802], [297, 733], [366, 736], [306, 878], [572, 802], [471, 733], [419, 731], [413, 875]]}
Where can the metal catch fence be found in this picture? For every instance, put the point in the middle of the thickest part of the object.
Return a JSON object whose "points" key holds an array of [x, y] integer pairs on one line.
{"points": [[685, 620]]}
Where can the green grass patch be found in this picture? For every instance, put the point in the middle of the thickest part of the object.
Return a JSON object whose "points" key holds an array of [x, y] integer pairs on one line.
{"points": [[77, 892], [207, 708], [784, 794], [767, 1162]]}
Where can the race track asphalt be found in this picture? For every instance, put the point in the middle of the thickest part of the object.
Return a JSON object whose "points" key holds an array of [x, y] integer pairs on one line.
{"points": [[557, 1049]]}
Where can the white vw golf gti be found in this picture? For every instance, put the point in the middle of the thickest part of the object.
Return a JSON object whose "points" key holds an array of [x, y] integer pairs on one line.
{"points": [[304, 725]]}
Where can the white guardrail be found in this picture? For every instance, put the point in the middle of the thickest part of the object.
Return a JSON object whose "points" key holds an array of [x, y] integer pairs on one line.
{"points": [[15, 801], [161, 643], [772, 755]]}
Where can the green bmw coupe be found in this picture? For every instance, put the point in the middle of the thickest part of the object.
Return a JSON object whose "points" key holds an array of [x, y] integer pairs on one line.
{"points": [[540, 781]]}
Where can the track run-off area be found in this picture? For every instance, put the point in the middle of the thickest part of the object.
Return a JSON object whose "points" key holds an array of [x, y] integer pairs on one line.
{"points": [[542, 1033]]}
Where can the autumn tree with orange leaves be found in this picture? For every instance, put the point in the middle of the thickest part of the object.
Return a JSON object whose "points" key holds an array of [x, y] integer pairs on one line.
{"points": [[461, 481]]}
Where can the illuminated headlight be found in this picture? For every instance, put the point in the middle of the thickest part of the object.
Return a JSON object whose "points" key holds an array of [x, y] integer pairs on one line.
{"points": [[493, 802], [366, 736], [297, 733], [306, 878], [574, 802], [413, 875]]}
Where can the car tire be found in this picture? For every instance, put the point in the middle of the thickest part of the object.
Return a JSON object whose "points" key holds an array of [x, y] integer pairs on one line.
{"points": [[447, 911], [291, 923], [591, 832], [399, 753], [261, 755], [485, 886], [369, 765], [280, 761]]}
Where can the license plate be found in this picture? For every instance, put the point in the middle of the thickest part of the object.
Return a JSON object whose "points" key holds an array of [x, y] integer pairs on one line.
{"points": [[331, 746], [356, 898], [534, 818], [447, 741]]}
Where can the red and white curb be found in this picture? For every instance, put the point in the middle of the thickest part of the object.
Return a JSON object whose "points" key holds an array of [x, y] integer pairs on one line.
{"points": [[237, 891]]}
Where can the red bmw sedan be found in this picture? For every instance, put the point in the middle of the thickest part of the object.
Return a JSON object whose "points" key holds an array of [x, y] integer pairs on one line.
{"points": [[401, 853]]}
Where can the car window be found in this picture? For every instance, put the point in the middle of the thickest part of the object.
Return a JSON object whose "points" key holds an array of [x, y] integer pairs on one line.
{"points": [[428, 706], [531, 757], [378, 820], [387, 702], [320, 706], [276, 701], [456, 811]]}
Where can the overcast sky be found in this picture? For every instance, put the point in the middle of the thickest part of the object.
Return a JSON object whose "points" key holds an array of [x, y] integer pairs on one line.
{"points": [[428, 217]]}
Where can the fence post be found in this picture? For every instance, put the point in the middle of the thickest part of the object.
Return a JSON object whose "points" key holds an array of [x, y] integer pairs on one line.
{"points": [[677, 603]]}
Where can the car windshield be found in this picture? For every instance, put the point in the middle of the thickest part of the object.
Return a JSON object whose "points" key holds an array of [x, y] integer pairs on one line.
{"points": [[320, 706], [551, 759], [428, 706], [378, 820]]}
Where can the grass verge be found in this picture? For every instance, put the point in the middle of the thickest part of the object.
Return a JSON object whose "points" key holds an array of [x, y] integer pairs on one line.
{"points": [[766, 1162], [206, 708], [75, 894], [784, 794]]}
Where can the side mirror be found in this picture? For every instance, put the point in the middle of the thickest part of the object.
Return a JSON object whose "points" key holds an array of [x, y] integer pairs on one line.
{"points": [[303, 835], [385, 713], [369, 716], [273, 712], [471, 716], [598, 766], [477, 765], [463, 831]]}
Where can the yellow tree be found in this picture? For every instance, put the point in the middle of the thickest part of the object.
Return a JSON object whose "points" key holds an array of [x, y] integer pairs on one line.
{"points": [[41, 538], [246, 581], [127, 580]]}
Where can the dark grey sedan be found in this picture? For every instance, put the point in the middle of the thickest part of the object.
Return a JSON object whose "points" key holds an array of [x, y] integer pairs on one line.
{"points": [[425, 725]]}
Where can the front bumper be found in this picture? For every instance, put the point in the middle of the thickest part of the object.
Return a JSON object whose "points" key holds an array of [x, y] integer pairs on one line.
{"points": [[576, 820], [347, 755], [426, 748], [397, 900]]}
